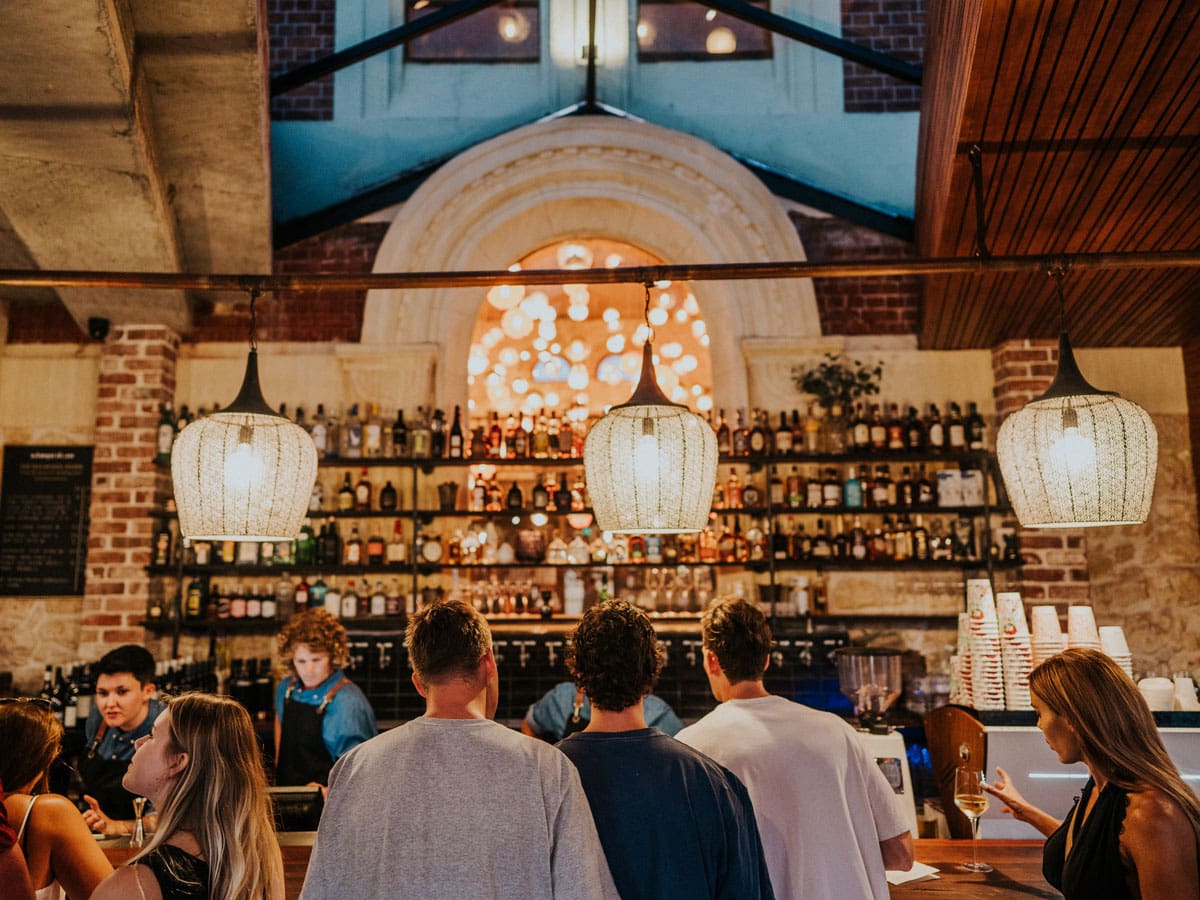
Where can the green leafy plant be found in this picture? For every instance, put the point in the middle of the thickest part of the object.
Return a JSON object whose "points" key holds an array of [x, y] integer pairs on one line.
{"points": [[838, 380]]}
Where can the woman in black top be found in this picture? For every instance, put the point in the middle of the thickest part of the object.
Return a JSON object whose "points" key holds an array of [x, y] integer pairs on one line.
{"points": [[201, 769], [1135, 830]]}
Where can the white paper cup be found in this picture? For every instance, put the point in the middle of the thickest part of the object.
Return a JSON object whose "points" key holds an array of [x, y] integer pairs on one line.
{"points": [[1159, 692], [1081, 627], [1112, 640], [1045, 623]]}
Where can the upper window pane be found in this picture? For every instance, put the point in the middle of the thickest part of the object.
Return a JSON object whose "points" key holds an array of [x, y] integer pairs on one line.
{"points": [[685, 30], [505, 33]]}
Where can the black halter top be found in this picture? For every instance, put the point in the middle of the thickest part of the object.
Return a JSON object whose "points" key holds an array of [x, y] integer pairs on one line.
{"points": [[1094, 870]]}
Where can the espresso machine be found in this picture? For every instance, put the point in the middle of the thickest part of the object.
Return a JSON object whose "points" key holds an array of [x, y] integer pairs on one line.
{"points": [[871, 678]]}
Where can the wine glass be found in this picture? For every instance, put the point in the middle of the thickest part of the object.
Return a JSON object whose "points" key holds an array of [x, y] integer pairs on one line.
{"points": [[970, 797]]}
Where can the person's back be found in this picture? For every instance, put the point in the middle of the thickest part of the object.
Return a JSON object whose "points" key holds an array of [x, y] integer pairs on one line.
{"points": [[822, 805], [673, 823], [453, 805]]}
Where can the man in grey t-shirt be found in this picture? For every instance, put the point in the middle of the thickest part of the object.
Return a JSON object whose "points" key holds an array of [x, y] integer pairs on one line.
{"points": [[452, 804]]}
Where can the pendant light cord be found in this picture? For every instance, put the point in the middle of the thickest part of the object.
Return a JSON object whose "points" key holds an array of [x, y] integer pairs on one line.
{"points": [[1058, 270], [254, 292], [646, 313]]}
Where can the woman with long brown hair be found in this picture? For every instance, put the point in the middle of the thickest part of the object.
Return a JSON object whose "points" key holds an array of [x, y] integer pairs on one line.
{"points": [[1135, 830], [59, 848], [201, 769]]}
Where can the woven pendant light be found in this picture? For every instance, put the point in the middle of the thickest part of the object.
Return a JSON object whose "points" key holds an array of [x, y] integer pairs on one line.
{"points": [[651, 464], [245, 473], [1078, 456]]}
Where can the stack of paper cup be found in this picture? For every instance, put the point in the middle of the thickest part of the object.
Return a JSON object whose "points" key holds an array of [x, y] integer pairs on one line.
{"points": [[1016, 650], [1081, 628], [1159, 693], [960, 664], [1185, 693], [1112, 642], [1047, 637], [987, 672]]}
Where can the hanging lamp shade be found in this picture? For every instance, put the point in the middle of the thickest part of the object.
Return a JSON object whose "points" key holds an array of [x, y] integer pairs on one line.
{"points": [[1078, 456], [651, 464], [245, 473]]}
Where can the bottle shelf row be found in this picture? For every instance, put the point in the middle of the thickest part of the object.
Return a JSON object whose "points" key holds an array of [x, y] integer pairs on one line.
{"points": [[423, 568]]}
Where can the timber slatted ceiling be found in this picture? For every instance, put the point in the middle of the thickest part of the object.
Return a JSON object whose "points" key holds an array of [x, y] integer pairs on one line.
{"points": [[1088, 116]]}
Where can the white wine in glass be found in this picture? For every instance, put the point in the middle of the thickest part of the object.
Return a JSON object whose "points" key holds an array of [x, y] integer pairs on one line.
{"points": [[970, 797]]}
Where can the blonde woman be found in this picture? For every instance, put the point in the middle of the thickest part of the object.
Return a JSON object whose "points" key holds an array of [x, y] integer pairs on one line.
{"points": [[61, 853], [201, 769], [1135, 830]]}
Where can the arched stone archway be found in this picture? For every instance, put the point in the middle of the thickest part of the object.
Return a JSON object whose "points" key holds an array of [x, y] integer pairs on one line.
{"points": [[672, 194]]}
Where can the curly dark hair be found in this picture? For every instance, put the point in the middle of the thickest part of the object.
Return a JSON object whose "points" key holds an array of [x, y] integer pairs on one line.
{"points": [[738, 633], [446, 640], [318, 630], [614, 655]]}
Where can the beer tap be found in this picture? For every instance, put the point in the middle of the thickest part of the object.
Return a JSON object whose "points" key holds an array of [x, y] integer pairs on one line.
{"points": [[777, 653], [552, 648], [692, 647], [498, 648], [523, 651], [385, 656]]}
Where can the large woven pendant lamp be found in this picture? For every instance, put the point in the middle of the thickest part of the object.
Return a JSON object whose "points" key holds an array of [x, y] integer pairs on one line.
{"points": [[651, 464], [245, 473], [1078, 456]]}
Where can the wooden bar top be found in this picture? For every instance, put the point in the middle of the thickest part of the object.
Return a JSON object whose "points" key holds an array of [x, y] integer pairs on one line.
{"points": [[1017, 868]]}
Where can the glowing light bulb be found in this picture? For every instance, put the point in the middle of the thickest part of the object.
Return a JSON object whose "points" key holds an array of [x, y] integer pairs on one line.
{"points": [[720, 41], [1072, 452], [244, 469], [645, 453]]}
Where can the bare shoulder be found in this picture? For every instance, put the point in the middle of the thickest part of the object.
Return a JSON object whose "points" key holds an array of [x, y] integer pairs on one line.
{"points": [[56, 815], [1152, 819], [129, 881]]}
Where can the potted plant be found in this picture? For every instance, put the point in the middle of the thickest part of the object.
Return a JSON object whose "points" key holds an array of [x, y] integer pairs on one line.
{"points": [[838, 381]]}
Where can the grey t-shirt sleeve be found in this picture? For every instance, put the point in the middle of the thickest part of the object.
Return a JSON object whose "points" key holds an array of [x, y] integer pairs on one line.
{"points": [[578, 865]]}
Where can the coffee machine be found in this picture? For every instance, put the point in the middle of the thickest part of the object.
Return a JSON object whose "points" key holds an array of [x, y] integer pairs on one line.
{"points": [[871, 678]]}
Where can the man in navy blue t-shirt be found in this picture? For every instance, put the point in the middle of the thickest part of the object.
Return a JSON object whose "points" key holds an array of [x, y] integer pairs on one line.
{"points": [[673, 823]]}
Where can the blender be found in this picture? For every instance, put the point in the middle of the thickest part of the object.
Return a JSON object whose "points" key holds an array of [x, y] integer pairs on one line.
{"points": [[871, 678]]}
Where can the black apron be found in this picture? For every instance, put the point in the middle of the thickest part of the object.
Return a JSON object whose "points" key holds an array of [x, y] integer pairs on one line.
{"points": [[303, 756], [102, 780], [575, 722]]}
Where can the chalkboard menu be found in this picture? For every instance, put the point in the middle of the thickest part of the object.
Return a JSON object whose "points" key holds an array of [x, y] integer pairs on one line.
{"points": [[44, 520]]}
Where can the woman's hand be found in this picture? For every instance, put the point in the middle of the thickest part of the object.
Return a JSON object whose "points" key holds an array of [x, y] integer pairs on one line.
{"points": [[99, 822], [1017, 806]]}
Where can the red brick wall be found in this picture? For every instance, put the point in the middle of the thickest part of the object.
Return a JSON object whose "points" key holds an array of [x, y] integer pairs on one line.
{"points": [[888, 305], [1055, 569], [299, 32], [895, 27], [31, 322], [137, 374]]}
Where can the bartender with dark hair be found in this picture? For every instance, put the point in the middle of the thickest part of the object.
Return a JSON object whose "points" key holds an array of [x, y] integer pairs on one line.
{"points": [[124, 711], [319, 712]]}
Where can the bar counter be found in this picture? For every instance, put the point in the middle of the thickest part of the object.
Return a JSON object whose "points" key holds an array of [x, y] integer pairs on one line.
{"points": [[1017, 867]]}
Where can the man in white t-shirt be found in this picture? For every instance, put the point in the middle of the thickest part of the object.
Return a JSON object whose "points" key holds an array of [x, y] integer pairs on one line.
{"points": [[829, 820]]}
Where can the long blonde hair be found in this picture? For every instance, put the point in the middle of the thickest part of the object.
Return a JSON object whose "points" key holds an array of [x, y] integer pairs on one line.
{"points": [[220, 798], [1113, 722]]}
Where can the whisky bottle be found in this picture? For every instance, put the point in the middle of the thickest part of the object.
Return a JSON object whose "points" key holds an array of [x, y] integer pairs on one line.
{"points": [[399, 435], [834, 430], [541, 437], [733, 490], [831, 489], [345, 499], [541, 497], [758, 435], [795, 489], [165, 435], [388, 498], [822, 547], [862, 429], [515, 500], [812, 430], [396, 548], [751, 495], [914, 431], [783, 436], [956, 432], [895, 429], [906, 489], [935, 430], [352, 552], [976, 439], [349, 601], [775, 491], [741, 437], [878, 429], [724, 438], [375, 550], [362, 492]]}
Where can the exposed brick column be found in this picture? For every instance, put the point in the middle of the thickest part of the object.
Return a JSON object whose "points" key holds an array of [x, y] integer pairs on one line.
{"points": [[137, 375], [1056, 569]]}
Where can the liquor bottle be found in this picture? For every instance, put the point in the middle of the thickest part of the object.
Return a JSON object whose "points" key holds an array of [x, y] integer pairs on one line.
{"points": [[420, 436], [394, 605], [812, 430], [724, 437], [437, 435], [751, 495], [332, 598], [840, 541], [362, 491], [165, 435], [455, 445], [795, 489], [162, 545], [759, 435], [331, 545], [266, 553], [509, 448], [541, 497], [376, 548], [800, 544], [834, 432], [237, 603], [906, 489], [920, 540], [194, 601], [726, 549], [756, 543], [373, 433], [741, 437], [775, 490], [70, 701], [814, 491], [247, 553], [976, 428], [902, 540], [399, 435], [397, 550], [822, 547], [349, 601], [914, 431], [351, 444], [935, 430], [852, 492], [316, 500], [253, 603], [783, 436], [862, 429], [566, 439], [733, 490], [895, 429], [345, 499], [495, 438], [579, 495], [87, 691], [877, 433], [515, 500], [352, 552], [718, 500], [184, 419], [388, 497], [883, 491], [540, 439], [926, 489], [319, 431], [831, 489], [562, 495], [378, 600], [956, 432], [780, 544], [637, 548], [858, 541], [305, 553]]}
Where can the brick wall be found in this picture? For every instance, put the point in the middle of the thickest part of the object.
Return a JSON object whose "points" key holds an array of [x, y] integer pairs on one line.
{"points": [[31, 322], [888, 305], [1056, 563], [895, 27], [299, 32], [137, 374]]}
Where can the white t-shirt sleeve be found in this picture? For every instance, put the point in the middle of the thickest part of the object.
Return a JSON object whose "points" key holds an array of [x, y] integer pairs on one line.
{"points": [[886, 808]]}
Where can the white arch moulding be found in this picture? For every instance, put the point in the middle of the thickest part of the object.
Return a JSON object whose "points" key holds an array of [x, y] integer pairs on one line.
{"points": [[674, 195]]}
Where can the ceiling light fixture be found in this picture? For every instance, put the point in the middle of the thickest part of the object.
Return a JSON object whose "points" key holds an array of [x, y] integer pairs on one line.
{"points": [[244, 473], [1078, 456], [650, 464]]}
